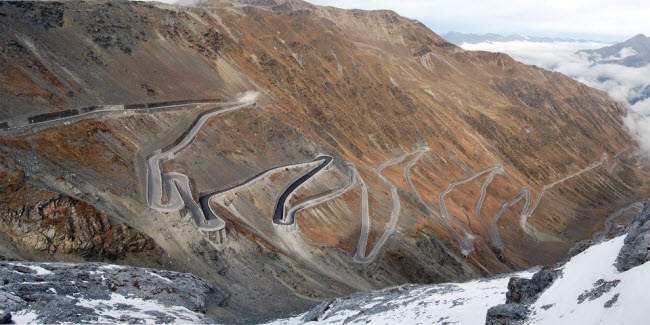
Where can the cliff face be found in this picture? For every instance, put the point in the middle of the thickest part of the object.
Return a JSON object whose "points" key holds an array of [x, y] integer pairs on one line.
{"points": [[363, 87]]}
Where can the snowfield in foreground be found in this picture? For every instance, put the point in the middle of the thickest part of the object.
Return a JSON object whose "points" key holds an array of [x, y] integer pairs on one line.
{"points": [[589, 291], [592, 291], [449, 303]]}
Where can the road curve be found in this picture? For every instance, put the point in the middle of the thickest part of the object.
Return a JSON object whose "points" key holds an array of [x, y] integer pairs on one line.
{"points": [[527, 213], [465, 242], [278, 213], [204, 200], [179, 193], [328, 196], [360, 254], [465, 249]]}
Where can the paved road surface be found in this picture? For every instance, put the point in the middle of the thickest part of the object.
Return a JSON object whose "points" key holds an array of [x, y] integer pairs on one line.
{"points": [[179, 193], [325, 197]]}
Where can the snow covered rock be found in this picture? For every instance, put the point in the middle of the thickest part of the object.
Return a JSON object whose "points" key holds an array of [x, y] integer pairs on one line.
{"points": [[5, 317], [522, 290], [636, 250], [101, 293]]}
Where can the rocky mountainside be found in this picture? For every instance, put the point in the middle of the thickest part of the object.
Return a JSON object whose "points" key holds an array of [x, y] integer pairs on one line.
{"points": [[288, 153], [603, 283], [49, 293], [633, 53]]}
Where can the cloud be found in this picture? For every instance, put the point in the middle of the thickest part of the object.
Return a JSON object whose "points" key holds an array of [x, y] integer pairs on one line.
{"points": [[625, 84]]}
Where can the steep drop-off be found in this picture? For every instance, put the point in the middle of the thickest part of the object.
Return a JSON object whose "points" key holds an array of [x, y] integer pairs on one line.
{"points": [[368, 88]]}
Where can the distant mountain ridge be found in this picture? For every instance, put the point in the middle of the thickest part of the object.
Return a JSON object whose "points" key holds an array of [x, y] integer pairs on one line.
{"points": [[460, 38], [634, 52]]}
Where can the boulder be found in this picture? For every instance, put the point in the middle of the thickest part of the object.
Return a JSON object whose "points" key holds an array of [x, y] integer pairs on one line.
{"points": [[5, 317], [507, 314], [526, 290], [636, 248]]}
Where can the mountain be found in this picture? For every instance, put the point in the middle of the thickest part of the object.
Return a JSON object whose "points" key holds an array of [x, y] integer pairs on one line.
{"points": [[460, 38], [634, 52], [600, 284], [286, 153]]}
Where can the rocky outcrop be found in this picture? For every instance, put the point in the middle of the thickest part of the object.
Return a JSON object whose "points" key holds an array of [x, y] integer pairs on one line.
{"points": [[507, 314], [104, 293], [527, 290], [55, 223], [521, 293], [5, 317], [636, 250]]}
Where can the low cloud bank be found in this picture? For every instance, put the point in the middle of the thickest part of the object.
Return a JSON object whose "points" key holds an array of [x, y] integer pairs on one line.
{"points": [[626, 84]]}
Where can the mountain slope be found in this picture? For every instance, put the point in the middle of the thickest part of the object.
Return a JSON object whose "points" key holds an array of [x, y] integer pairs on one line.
{"points": [[413, 113], [588, 290]]}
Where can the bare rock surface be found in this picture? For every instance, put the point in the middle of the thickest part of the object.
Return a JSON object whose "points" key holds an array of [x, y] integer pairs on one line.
{"points": [[98, 293], [54, 223], [636, 250]]}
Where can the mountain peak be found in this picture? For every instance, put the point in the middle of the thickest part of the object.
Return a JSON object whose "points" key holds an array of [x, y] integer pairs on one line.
{"points": [[639, 36]]}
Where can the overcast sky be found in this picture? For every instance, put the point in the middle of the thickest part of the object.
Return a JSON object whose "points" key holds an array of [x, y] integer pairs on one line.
{"points": [[602, 20]]}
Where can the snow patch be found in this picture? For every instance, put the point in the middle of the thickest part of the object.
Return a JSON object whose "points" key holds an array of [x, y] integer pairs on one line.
{"points": [[580, 275], [144, 310]]}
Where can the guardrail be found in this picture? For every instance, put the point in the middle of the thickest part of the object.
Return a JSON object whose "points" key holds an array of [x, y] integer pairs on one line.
{"points": [[46, 117]]}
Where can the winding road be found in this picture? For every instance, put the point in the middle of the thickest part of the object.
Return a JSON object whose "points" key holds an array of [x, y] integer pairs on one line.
{"points": [[327, 196], [465, 241], [527, 213], [179, 193], [465, 249], [360, 254]]}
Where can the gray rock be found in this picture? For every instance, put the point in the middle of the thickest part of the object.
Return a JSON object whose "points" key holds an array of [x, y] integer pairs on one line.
{"points": [[609, 303], [97, 292], [5, 317], [579, 248], [527, 290], [636, 248], [600, 288], [507, 314]]}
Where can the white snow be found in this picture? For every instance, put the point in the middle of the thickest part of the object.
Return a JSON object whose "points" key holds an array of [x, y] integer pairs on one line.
{"points": [[111, 267], [158, 276], [24, 316], [463, 303], [467, 303], [109, 310], [39, 270], [580, 274]]}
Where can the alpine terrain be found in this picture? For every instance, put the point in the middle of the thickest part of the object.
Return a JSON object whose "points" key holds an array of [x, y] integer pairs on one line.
{"points": [[244, 160]]}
